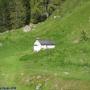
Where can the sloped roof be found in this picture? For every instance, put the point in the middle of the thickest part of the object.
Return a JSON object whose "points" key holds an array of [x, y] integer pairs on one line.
{"points": [[46, 42]]}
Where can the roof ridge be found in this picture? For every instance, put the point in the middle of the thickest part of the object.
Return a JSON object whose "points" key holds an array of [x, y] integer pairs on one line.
{"points": [[46, 42]]}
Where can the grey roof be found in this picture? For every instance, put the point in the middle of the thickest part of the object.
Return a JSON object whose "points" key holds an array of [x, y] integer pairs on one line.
{"points": [[46, 42]]}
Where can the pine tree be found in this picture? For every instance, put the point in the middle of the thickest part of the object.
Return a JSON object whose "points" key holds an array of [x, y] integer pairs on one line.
{"points": [[27, 8], [17, 13], [5, 19]]}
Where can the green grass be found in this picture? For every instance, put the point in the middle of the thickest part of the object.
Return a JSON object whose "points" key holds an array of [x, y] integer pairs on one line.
{"points": [[67, 67]]}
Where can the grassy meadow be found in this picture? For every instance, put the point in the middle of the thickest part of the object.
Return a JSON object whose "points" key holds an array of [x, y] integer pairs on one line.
{"points": [[67, 67]]}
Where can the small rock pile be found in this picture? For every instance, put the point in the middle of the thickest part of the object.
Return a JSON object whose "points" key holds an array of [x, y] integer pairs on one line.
{"points": [[28, 28]]}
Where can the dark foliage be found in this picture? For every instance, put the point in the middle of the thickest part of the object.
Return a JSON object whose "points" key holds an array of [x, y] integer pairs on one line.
{"points": [[17, 13]]}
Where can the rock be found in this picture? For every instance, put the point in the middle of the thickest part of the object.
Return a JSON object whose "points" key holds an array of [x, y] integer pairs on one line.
{"points": [[38, 86], [31, 25], [76, 41], [66, 73], [27, 28], [22, 74], [39, 77], [56, 85], [34, 26], [55, 17], [46, 81], [27, 80], [6, 31]]}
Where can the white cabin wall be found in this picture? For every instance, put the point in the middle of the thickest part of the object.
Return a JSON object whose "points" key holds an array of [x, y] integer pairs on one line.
{"points": [[50, 46], [37, 43], [44, 47], [37, 46]]}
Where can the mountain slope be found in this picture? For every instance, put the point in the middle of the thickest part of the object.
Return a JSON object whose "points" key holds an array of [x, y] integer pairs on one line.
{"points": [[65, 67]]}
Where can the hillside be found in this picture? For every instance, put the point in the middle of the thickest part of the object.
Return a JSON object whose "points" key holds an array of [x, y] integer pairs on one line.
{"points": [[67, 67]]}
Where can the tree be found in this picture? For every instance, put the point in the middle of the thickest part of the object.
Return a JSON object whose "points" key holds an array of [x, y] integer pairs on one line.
{"points": [[4, 14], [17, 13], [27, 8]]}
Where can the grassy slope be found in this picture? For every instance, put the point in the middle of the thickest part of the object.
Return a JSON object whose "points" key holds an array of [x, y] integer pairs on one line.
{"points": [[21, 67]]}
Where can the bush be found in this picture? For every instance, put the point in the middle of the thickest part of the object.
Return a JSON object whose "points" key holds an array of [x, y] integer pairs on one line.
{"points": [[84, 36], [35, 15]]}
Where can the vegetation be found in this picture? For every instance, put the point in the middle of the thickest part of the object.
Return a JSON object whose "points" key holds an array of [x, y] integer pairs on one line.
{"points": [[15, 14], [67, 67]]}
